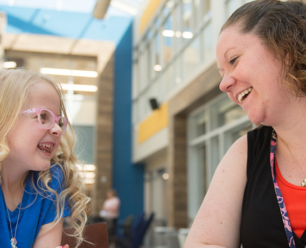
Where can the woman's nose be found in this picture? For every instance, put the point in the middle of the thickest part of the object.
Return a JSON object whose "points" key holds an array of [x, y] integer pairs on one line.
{"points": [[56, 130], [226, 83]]}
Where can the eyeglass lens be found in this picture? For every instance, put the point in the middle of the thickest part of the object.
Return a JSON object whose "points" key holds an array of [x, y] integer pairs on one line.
{"points": [[47, 120]]}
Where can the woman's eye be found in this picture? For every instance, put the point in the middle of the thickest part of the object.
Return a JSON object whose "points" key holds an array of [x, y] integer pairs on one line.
{"points": [[233, 61]]}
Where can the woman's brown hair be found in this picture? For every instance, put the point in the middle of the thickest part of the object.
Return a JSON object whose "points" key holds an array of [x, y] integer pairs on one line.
{"points": [[282, 28]]}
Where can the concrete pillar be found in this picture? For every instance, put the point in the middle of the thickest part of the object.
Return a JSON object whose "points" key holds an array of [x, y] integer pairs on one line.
{"points": [[104, 137]]}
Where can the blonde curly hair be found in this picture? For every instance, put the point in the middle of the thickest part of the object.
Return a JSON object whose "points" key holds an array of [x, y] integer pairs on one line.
{"points": [[15, 86]]}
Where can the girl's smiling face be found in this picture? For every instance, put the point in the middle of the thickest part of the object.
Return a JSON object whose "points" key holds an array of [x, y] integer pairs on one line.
{"points": [[27, 137], [251, 75]]}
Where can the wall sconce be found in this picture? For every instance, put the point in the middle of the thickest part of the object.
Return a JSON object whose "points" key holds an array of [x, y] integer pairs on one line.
{"points": [[154, 104]]}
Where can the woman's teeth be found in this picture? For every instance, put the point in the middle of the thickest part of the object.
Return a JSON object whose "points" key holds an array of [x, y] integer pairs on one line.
{"points": [[244, 94]]}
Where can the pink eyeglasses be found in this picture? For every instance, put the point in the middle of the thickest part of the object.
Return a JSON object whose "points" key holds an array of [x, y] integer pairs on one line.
{"points": [[47, 118]]}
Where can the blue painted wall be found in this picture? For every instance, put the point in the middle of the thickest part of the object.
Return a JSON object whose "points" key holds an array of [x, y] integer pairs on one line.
{"points": [[64, 24], [128, 179]]}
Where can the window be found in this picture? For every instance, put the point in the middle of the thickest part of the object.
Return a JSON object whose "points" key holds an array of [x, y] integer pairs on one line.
{"points": [[167, 33], [168, 7], [85, 146], [191, 58], [187, 20], [157, 60], [207, 43], [205, 6], [212, 129]]}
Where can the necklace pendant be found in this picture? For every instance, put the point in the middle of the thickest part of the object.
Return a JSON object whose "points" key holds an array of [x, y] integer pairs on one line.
{"points": [[14, 243], [304, 183]]}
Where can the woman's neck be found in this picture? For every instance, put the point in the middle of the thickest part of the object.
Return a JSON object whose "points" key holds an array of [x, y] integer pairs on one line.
{"points": [[291, 126]]}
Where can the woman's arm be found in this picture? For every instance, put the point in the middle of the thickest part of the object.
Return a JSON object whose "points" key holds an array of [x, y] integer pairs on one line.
{"points": [[217, 223], [49, 238]]}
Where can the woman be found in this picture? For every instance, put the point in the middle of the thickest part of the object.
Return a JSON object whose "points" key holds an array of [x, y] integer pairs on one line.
{"points": [[110, 212], [257, 197]]}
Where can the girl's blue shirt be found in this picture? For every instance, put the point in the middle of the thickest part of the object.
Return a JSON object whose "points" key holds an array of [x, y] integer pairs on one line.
{"points": [[36, 210]]}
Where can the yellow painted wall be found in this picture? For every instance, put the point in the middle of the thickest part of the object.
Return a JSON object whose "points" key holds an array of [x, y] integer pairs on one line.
{"points": [[148, 13], [154, 123]]}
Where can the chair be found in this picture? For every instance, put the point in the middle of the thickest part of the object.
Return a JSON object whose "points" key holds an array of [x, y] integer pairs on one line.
{"points": [[134, 240], [125, 229], [95, 233], [140, 233]]}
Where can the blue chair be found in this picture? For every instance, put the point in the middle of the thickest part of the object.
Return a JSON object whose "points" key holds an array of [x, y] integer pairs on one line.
{"points": [[140, 232], [139, 229]]}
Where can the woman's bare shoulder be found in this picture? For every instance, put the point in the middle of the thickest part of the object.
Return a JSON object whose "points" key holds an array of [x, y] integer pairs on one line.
{"points": [[218, 220]]}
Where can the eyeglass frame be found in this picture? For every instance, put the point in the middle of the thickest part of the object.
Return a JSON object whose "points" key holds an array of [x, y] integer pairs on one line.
{"points": [[55, 118]]}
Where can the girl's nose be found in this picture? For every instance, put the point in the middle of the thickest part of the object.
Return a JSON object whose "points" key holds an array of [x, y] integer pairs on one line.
{"points": [[226, 83], [56, 130]]}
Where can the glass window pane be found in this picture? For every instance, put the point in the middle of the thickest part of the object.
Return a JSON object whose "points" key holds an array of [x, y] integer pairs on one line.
{"points": [[197, 12], [157, 23], [215, 155], [157, 61], [85, 145], [135, 79], [152, 60], [167, 34], [162, 86], [178, 26], [147, 107], [153, 91], [168, 7], [168, 79], [198, 125], [148, 64], [191, 58], [205, 7], [224, 112], [232, 135], [187, 20], [135, 113], [144, 73], [178, 71], [208, 50], [196, 179]]}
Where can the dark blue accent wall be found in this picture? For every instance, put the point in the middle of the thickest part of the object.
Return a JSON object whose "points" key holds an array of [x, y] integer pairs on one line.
{"points": [[128, 179]]}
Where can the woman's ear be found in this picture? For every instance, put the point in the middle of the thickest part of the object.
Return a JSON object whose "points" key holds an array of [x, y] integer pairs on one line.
{"points": [[287, 59]]}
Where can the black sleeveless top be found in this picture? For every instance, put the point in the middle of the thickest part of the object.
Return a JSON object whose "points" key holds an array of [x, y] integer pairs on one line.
{"points": [[261, 220]]}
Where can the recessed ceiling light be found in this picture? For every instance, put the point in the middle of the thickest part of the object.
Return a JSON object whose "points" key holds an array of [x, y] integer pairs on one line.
{"points": [[65, 72]]}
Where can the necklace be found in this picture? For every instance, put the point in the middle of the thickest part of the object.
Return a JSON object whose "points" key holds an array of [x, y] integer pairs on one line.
{"points": [[13, 239], [303, 184]]}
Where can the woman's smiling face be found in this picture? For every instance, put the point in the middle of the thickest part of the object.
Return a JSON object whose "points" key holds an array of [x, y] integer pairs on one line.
{"points": [[251, 75]]}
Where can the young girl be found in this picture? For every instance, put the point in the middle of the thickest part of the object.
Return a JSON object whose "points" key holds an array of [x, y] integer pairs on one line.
{"points": [[40, 183]]}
